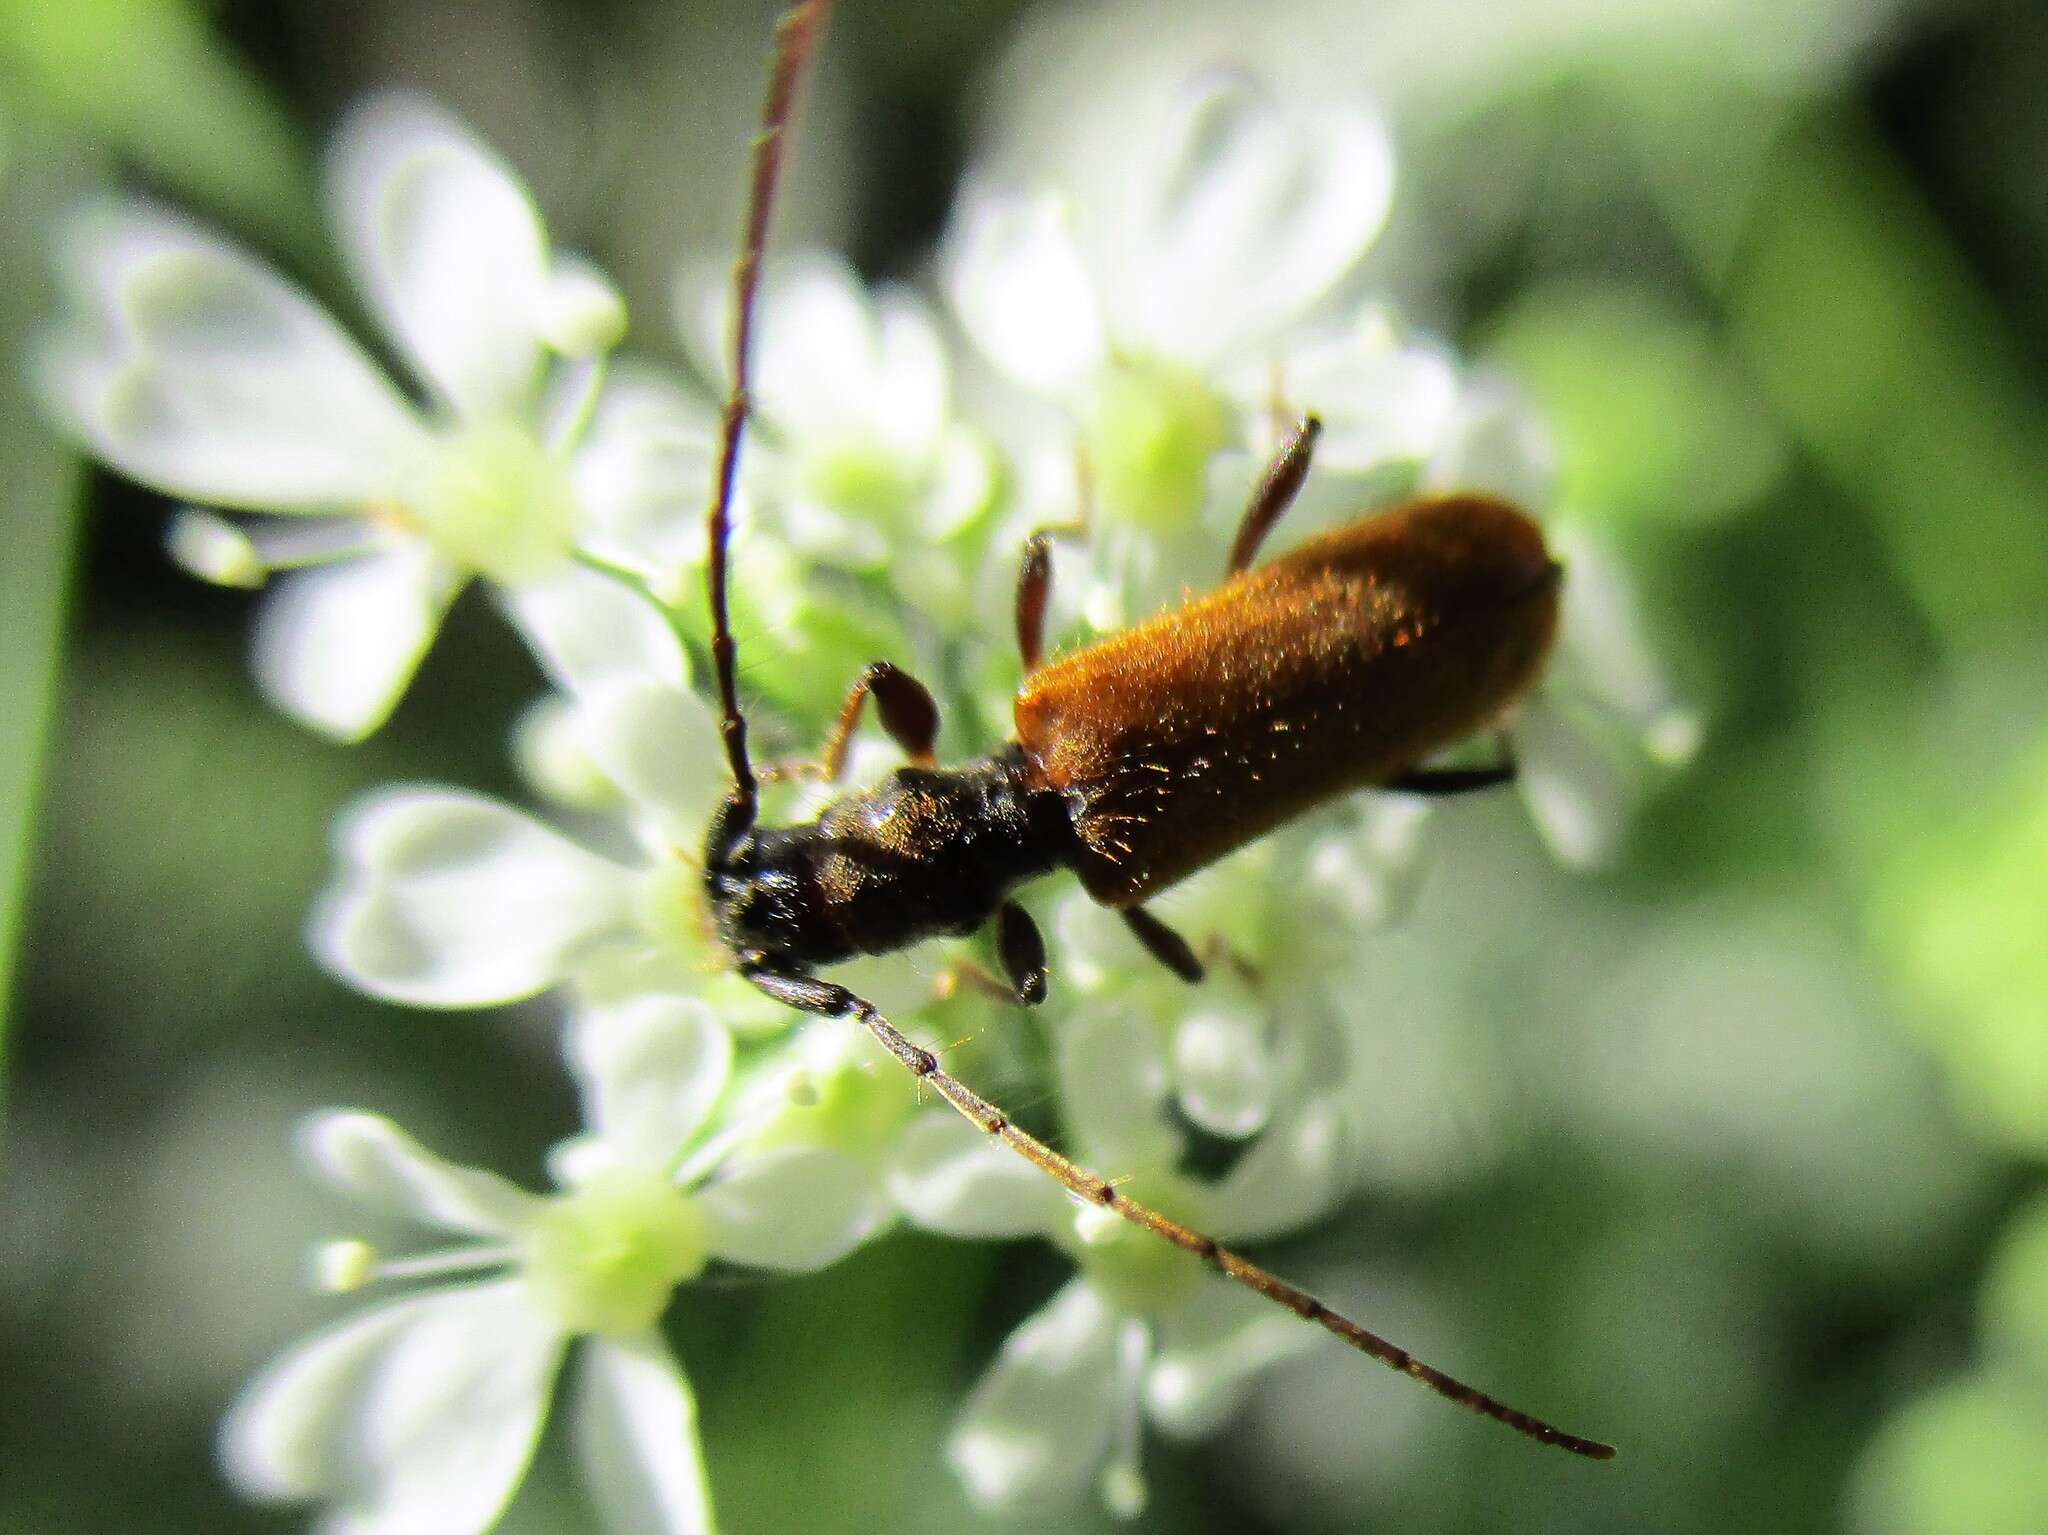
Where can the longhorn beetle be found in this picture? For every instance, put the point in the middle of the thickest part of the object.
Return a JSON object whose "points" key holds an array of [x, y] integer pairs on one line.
{"points": [[1137, 760]]}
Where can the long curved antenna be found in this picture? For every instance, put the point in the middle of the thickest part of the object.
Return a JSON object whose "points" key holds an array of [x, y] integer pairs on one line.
{"points": [[834, 1001], [796, 39]]}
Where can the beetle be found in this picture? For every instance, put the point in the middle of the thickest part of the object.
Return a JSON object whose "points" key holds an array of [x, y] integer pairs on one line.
{"points": [[1137, 760]]}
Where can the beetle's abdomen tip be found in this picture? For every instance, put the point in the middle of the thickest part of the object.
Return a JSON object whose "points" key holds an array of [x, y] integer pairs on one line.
{"points": [[1481, 544]]}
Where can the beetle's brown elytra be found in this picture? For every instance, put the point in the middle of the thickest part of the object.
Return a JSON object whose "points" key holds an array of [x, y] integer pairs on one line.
{"points": [[1139, 759], [1334, 668]]}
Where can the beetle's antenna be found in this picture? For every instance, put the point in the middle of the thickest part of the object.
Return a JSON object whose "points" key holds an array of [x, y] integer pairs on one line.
{"points": [[833, 1001], [796, 38], [1097, 1190]]}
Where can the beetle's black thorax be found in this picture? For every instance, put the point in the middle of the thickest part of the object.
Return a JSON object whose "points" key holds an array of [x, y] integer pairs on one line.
{"points": [[923, 853]]}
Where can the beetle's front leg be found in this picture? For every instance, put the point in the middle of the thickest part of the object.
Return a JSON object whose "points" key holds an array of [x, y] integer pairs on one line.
{"points": [[909, 715]]}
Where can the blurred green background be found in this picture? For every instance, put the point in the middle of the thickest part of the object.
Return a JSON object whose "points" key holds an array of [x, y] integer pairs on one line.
{"points": [[1775, 272]]}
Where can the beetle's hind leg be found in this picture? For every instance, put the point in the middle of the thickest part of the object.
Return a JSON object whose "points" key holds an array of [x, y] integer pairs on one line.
{"points": [[1034, 591], [1034, 578], [909, 715], [1276, 492]]}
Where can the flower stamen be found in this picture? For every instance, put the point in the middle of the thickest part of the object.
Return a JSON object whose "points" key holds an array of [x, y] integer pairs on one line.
{"points": [[350, 1264]]}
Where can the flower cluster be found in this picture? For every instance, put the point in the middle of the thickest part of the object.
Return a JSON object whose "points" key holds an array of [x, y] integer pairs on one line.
{"points": [[1135, 344]]}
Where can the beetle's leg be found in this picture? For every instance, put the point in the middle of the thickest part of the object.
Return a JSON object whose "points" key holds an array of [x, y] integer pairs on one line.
{"points": [[1034, 579], [1276, 492], [1022, 949], [1279, 414], [827, 1000], [908, 714], [965, 975], [1034, 589], [1442, 783], [1163, 943]]}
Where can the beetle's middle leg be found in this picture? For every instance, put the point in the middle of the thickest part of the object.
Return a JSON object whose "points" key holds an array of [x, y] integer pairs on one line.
{"points": [[1163, 943], [1022, 949], [908, 713], [1442, 783]]}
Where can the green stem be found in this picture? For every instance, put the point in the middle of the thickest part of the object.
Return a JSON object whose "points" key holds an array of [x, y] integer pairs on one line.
{"points": [[41, 483]]}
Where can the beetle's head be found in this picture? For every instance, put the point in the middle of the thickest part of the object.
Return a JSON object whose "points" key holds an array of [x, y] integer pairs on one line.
{"points": [[760, 889]]}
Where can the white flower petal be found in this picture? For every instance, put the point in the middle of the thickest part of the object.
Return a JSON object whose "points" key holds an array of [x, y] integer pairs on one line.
{"points": [[1041, 1419], [796, 1208], [420, 1417], [947, 1176], [1379, 401], [191, 368], [833, 364], [635, 1427], [449, 247], [1015, 278], [1113, 1083], [587, 628], [1572, 768], [373, 1162], [1209, 1348], [1245, 217], [820, 531], [703, 319], [450, 1417], [642, 473], [1223, 1067], [816, 366], [1604, 652], [651, 1071], [448, 899], [336, 646], [1372, 868], [286, 1434], [581, 312], [660, 745], [910, 404], [1096, 950], [1292, 1176], [965, 486], [1496, 443], [549, 752]]}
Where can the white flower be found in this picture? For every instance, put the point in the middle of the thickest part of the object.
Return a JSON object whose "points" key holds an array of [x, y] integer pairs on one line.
{"points": [[1193, 334], [189, 367], [1259, 1032], [1144, 1332], [421, 1414], [1382, 398], [642, 473], [1156, 301], [856, 449], [445, 898], [829, 1085]]}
